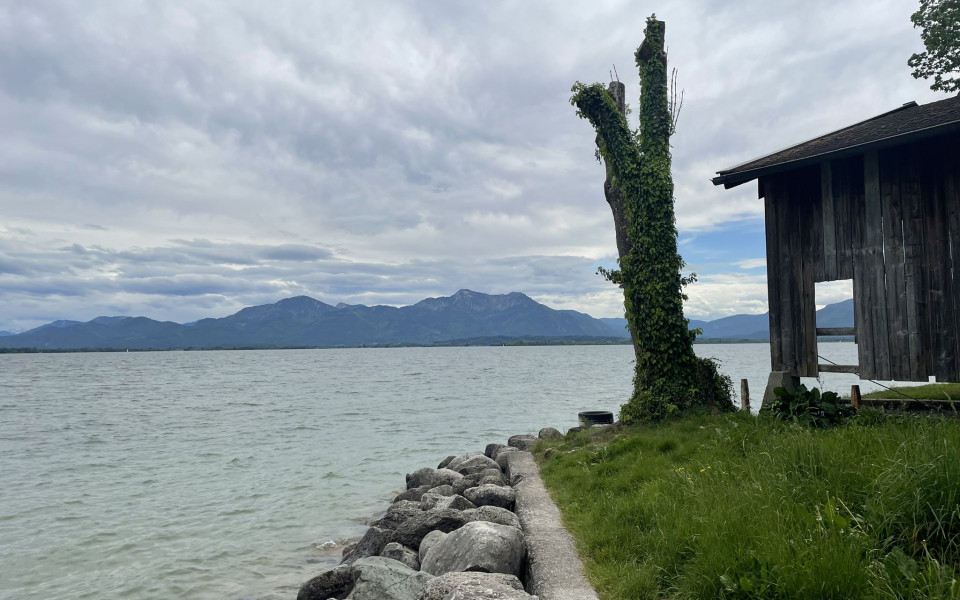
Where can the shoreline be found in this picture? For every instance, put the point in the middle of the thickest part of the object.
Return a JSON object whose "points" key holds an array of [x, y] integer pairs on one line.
{"points": [[477, 524]]}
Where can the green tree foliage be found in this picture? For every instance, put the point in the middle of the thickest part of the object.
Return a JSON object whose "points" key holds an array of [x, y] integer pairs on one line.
{"points": [[940, 22], [667, 376]]}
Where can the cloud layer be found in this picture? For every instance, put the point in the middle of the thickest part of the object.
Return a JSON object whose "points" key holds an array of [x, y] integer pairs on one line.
{"points": [[182, 161]]}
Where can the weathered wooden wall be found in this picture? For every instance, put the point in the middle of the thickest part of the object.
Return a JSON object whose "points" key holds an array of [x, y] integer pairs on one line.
{"points": [[889, 220]]}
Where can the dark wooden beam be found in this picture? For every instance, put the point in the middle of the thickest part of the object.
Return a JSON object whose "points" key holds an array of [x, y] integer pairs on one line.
{"points": [[836, 331], [855, 369]]}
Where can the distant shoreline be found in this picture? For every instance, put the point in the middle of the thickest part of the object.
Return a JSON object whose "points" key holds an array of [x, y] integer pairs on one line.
{"points": [[465, 343]]}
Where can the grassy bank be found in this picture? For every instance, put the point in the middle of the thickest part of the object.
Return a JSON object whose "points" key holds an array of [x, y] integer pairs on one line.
{"points": [[733, 506]]}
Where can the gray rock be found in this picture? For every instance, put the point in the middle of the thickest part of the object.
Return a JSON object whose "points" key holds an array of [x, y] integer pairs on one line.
{"points": [[348, 549], [576, 429], [472, 463], [443, 490], [549, 433], [495, 514], [503, 449], [503, 456], [379, 578], [371, 544], [413, 494], [429, 501], [457, 502], [420, 477], [445, 462], [478, 546], [466, 483], [474, 586], [492, 480], [397, 513], [491, 495], [336, 583], [491, 450], [524, 441], [428, 541], [402, 554], [446, 477], [411, 532]]}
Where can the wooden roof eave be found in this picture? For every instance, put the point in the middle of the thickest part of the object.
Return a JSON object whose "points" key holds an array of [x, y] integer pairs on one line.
{"points": [[731, 178]]}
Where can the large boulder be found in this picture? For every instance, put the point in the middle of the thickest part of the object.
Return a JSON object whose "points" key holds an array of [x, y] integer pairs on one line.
{"points": [[524, 441], [411, 532], [549, 433], [413, 493], [466, 483], [432, 477], [380, 578], [474, 586], [397, 513], [445, 462], [491, 450], [503, 456], [478, 546], [491, 495], [442, 490], [371, 544], [471, 463], [335, 583], [402, 554], [429, 541], [431, 501], [495, 514]]}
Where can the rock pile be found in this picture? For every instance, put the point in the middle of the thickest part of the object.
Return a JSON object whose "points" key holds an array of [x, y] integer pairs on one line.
{"points": [[452, 535]]}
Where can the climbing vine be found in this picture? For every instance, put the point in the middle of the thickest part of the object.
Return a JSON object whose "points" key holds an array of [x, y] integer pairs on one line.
{"points": [[668, 376]]}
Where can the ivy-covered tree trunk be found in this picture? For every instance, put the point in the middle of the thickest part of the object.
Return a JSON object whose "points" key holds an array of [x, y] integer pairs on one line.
{"points": [[666, 374]]}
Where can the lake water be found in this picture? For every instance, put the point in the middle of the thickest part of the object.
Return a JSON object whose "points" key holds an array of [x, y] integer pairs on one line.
{"points": [[238, 474]]}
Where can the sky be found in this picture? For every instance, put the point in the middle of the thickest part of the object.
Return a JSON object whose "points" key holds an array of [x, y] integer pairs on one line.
{"points": [[185, 160]]}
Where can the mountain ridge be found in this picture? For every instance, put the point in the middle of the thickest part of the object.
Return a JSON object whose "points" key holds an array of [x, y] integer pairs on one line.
{"points": [[302, 321]]}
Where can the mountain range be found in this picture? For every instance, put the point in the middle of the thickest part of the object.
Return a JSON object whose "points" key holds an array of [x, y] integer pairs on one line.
{"points": [[305, 322]]}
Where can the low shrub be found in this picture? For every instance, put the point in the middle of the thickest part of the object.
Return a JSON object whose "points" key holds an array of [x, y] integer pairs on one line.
{"points": [[808, 407]]}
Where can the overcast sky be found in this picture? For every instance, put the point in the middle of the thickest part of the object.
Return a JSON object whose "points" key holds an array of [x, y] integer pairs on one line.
{"points": [[181, 160]]}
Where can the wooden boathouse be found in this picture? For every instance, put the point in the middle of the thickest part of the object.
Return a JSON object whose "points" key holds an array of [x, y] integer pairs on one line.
{"points": [[877, 202]]}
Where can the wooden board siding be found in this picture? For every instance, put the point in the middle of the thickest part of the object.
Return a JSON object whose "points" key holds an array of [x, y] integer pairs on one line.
{"points": [[889, 220], [773, 273], [791, 220], [951, 185]]}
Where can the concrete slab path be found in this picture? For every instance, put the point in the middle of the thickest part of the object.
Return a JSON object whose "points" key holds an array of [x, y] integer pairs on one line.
{"points": [[554, 569]]}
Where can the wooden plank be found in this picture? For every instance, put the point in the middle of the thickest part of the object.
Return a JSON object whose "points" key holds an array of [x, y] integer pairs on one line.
{"points": [[828, 331], [773, 273], [896, 294], [789, 297], [952, 200], [848, 193], [806, 198], [936, 258], [913, 267], [831, 368], [813, 223], [873, 253], [861, 291], [829, 223]]}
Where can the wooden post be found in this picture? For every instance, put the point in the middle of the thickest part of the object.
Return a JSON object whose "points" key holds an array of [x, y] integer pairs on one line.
{"points": [[855, 396], [744, 395]]}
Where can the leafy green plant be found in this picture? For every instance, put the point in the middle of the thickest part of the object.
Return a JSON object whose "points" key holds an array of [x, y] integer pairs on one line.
{"points": [[808, 406]]}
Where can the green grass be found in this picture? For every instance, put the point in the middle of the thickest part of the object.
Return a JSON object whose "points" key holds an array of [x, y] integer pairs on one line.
{"points": [[933, 391], [734, 506]]}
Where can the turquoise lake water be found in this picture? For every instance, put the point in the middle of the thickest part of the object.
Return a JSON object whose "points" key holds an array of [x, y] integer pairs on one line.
{"points": [[238, 474]]}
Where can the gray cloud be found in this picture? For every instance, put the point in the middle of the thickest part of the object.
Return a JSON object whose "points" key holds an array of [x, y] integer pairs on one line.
{"points": [[222, 155]]}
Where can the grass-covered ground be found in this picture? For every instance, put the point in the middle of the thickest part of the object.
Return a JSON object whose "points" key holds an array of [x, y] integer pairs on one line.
{"points": [[735, 506], [933, 391]]}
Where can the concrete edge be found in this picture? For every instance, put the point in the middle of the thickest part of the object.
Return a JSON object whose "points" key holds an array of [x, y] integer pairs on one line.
{"points": [[554, 568]]}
